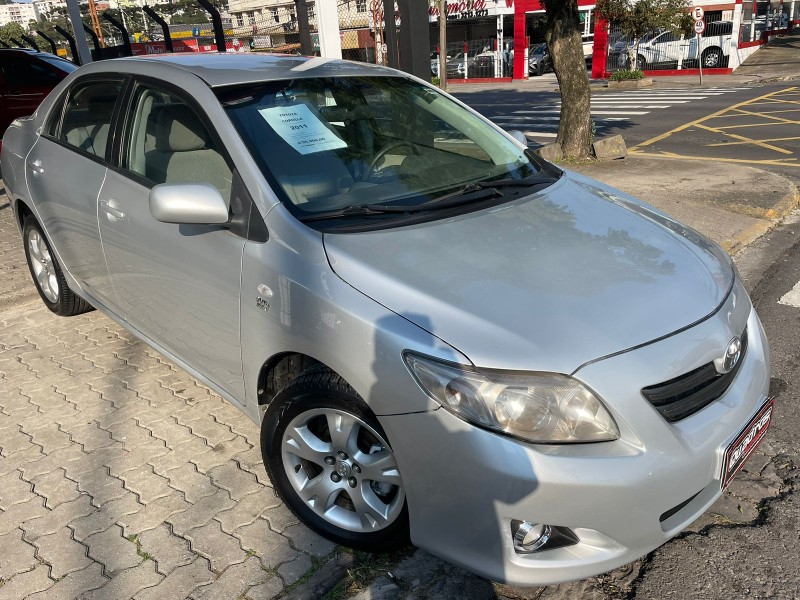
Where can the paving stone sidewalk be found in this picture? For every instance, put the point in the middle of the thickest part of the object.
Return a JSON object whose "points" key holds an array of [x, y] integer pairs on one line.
{"points": [[15, 281], [121, 477]]}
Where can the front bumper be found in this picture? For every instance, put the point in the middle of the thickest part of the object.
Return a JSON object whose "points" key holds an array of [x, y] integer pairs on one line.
{"points": [[465, 485]]}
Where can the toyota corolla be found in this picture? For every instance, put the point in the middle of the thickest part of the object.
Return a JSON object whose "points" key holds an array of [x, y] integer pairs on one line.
{"points": [[444, 338]]}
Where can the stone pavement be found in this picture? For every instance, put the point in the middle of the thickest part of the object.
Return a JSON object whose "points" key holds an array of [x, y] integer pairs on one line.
{"points": [[15, 280], [121, 477]]}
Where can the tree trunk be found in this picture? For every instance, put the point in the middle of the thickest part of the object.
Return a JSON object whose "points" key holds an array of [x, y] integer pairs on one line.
{"points": [[566, 50]]}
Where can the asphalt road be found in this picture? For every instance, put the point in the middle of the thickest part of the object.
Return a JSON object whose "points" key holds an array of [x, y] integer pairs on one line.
{"points": [[755, 559], [752, 125]]}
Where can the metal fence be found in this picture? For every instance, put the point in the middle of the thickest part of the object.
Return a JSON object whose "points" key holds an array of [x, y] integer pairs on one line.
{"points": [[474, 58]]}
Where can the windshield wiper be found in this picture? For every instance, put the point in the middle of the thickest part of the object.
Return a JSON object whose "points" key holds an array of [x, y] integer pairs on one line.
{"points": [[530, 181], [472, 192], [354, 210], [465, 195]]}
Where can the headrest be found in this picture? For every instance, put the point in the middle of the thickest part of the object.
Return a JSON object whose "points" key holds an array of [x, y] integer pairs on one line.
{"points": [[179, 130]]}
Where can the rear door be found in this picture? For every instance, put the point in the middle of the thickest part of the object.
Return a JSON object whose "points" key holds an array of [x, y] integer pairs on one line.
{"points": [[65, 170]]}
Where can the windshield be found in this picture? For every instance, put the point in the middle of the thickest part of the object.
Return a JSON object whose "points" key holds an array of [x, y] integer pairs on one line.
{"points": [[327, 144], [540, 49]]}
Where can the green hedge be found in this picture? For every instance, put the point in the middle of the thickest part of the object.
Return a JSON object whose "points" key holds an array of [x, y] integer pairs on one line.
{"points": [[625, 74]]}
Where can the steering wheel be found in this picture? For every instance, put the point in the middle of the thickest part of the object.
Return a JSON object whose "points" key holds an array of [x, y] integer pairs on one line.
{"points": [[384, 151]]}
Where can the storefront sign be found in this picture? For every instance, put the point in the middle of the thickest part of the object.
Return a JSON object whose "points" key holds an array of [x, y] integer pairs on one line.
{"points": [[462, 10]]}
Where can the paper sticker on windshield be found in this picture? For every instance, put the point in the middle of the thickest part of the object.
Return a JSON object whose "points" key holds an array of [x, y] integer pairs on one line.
{"points": [[301, 129]]}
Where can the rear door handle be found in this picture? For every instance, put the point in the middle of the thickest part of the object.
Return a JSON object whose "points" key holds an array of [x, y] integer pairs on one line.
{"points": [[111, 208], [36, 166]]}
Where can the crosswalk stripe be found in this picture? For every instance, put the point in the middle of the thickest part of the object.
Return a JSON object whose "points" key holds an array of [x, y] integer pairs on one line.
{"points": [[542, 118], [792, 297]]}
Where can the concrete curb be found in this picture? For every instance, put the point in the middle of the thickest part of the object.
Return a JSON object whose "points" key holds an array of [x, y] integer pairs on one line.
{"points": [[780, 210], [732, 204]]}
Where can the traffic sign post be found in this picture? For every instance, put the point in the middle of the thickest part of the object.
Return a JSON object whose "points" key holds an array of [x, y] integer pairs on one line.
{"points": [[699, 28]]}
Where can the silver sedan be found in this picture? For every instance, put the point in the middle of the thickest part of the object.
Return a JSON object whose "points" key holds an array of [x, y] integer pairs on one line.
{"points": [[445, 339]]}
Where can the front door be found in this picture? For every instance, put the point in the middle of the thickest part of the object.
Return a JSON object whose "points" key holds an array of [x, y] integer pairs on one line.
{"points": [[177, 284]]}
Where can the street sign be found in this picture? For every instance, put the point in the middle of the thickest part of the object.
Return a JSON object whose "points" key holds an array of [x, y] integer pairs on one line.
{"points": [[697, 13], [699, 27]]}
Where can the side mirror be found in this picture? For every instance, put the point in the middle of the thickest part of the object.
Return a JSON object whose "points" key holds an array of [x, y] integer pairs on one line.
{"points": [[519, 136], [188, 203]]}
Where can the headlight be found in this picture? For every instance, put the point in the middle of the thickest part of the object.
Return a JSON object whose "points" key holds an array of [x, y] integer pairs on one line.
{"points": [[544, 408]]}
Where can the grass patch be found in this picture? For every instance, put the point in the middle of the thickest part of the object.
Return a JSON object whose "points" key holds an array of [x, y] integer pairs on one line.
{"points": [[134, 539], [367, 566]]}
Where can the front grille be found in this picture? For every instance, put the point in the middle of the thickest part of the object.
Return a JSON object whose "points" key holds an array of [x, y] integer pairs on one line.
{"points": [[683, 396]]}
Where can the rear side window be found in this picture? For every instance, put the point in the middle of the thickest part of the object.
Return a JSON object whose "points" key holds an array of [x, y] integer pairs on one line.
{"points": [[86, 122], [719, 28]]}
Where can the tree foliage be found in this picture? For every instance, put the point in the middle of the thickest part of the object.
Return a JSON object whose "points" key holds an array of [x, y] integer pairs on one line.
{"points": [[566, 49], [11, 30], [636, 18]]}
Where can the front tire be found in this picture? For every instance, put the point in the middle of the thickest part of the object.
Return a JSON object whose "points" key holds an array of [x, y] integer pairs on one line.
{"points": [[47, 274], [330, 462]]}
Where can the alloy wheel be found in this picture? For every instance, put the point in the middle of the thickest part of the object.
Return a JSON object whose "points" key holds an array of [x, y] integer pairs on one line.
{"points": [[43, 267], [343, 470]]}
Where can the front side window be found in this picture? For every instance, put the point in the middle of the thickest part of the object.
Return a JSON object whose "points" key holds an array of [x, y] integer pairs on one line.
{"points": [[167, 142], [86, 123], [376, 142]]}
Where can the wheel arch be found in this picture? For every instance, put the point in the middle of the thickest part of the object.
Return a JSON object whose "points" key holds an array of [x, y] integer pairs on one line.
{"points": [[21, 211], [720, 53], [279, 370]]}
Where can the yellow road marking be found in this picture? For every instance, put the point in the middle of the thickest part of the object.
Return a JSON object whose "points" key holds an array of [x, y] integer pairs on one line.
{"points": [[767, 116], [741, 137], [784, 139], [697, 122], [751, 125], [662, 154]]}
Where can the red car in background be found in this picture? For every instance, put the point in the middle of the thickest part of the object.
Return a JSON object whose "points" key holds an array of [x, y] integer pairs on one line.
{"points": [[26, 77]]}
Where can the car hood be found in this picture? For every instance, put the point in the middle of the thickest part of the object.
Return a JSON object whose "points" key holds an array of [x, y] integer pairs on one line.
{"points": [[547, 282]]}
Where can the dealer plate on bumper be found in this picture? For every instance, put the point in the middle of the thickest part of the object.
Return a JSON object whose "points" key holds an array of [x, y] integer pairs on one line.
{"points": [[746, 442]]}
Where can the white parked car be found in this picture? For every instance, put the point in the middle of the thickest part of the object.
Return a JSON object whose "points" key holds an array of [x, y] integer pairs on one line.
{"points": [[716, 44]]}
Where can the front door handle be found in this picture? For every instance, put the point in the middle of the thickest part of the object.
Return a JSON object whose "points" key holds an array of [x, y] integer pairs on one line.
{"points": [[111, 208], [36, 166]]}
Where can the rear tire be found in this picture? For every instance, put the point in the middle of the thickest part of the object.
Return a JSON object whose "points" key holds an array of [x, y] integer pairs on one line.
{"points": [[328, 458], [47, 274], [712, 58]]}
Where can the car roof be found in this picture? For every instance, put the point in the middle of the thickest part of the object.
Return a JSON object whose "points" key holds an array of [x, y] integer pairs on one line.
{"points": [[222, 69], [17, 50]]}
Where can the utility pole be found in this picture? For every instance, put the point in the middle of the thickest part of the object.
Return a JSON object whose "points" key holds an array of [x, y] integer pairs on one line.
{"points": [[443, 45], [80, 38]]}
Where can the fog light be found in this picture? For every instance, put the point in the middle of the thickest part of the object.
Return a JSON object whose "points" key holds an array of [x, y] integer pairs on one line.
{"points": [[529, 537], [535, 537]]}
